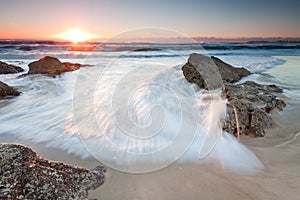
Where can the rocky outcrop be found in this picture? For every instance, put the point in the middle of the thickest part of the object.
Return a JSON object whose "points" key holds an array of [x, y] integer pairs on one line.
{"points": [[250, 102], [211, 72], [25, 175], [6, 91], [9, 69], [51, 66]]}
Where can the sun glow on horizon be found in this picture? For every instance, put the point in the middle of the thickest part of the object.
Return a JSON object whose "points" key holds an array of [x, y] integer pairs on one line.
{"points": [[76, 35]]}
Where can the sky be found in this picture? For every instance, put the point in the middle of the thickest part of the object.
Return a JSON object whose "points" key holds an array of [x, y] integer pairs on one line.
{"points": [[44, 19]]}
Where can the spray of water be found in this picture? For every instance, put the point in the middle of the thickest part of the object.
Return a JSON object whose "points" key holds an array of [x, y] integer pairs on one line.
{"points": [[132, 116]]}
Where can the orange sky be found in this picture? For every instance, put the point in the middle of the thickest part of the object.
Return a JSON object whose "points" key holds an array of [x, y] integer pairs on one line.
{"points": [[35, 19]]}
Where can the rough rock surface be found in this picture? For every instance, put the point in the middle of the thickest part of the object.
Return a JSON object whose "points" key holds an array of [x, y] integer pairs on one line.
{"points": [[251, 102], [6, 90], [25, 175], [51, 66], [211, 72], [9, 69], [208, 75]]}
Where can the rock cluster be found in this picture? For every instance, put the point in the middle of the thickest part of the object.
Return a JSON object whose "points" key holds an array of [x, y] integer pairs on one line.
{"points": [[25, 175], [47, 65], [9, 69], [249, 101], [6, 91], [51, 66]]}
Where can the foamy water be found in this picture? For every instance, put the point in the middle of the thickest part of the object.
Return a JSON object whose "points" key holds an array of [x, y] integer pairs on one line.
{"points": [[131, 112]]}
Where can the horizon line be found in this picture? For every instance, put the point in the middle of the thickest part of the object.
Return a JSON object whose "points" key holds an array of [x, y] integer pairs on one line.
{"points": [[163, 38]]}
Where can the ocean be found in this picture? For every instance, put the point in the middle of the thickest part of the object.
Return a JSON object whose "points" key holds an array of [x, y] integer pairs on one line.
{"points": [[132, 109]]}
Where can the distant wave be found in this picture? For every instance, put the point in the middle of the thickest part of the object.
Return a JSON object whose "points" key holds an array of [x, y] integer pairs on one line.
{"points": [[24, 45], [249, 46], [30, 42], [146, 49], [149, 56]]}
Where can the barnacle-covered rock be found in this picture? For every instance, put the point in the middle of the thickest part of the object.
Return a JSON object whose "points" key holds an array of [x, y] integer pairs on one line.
{"points": [[25, 175]]}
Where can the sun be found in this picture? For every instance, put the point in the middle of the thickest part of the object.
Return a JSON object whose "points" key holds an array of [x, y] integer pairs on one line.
{"points": [[76, 35]]}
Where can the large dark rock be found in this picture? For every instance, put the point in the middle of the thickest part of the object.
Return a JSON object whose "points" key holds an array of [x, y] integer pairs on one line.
{"points": [[51, 66], [9, 69], [25, 175], [6, 90], [229, 73], [210, 72]]}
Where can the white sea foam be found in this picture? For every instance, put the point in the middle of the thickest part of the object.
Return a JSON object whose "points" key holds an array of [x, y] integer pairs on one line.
{"points": [[132, 116]]}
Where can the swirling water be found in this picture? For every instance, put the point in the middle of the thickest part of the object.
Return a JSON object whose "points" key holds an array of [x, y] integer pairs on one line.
{"points": [[130, 109]]}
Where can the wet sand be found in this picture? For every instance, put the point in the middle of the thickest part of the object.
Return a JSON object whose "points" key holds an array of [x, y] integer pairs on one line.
{"points": [[280, 180]]}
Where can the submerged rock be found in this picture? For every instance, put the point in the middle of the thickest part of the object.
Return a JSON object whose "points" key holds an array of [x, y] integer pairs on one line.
{"points": [[9, 69], [25, 175], [25, 48], [51, 66], [146, 49], [211, 72], [6, 90], [251, 102]]}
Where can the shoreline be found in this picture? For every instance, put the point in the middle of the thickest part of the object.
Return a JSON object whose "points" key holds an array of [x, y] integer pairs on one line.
{"points": [[278, 180]]}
